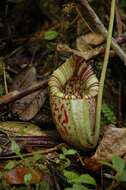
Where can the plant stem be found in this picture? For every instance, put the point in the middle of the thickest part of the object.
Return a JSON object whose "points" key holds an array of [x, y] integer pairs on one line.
{"points": [[103, 73]]}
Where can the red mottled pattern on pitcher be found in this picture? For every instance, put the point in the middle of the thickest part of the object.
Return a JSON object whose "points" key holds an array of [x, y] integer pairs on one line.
{"points": [[60, 116]]}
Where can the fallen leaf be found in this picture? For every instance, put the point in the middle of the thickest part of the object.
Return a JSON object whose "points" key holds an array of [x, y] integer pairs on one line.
{"points": [[113, 143], [24, 79], [21, 128], [16, 176], [1, 168], [87, 54], [92, 164], [26, 108], [85, 42]]}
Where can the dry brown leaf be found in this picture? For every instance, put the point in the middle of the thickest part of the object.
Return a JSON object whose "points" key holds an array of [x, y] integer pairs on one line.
{"points": [[16, 176], [24, 79], [113, 142], [92, 164], [88, 54], [26, 108], [84, 42]]}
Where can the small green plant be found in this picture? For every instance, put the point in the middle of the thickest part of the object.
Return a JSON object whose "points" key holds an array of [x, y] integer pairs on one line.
{"points": [[15, 147], [118, 165], [108, 114], [67, 152], [10, 165], [64, 156], [27, 178], [51, 35], [78, 182]]}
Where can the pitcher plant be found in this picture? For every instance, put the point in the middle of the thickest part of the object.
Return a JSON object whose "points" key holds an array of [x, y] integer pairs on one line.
{"points": [[73, 92]]}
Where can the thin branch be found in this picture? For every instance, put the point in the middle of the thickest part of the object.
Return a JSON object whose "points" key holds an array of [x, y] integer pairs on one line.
{"points": [[45, 151], [101, 28], [15, 95]]}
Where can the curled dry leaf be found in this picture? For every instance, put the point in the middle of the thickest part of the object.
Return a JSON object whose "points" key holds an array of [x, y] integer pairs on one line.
{"points": [[91, 39], [26, 108], [113, 142], [16, 176], [24, 79]]}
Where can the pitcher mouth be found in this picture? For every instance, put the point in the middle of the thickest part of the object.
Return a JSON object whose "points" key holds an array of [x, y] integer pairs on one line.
{"points": [[74, 81]]}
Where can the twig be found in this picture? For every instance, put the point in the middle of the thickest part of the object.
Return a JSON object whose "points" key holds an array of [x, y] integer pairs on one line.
{"points": [[4, 74], [103, 74], [45, 151], [13, 52], [83, 19], [14, 95], [101, 28]]}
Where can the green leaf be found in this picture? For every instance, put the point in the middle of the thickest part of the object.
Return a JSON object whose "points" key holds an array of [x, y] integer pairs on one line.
{"points": [[84, 178], [118, 163], [51, 35], [108, 113], [11, 164], [43, 186], [27, 178], [71, 176], [106, 163], [62, 156], [122, 177], [75, 178], [70, 152], [64, 150], [37, 157], [15, 147], [77, 187]]}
